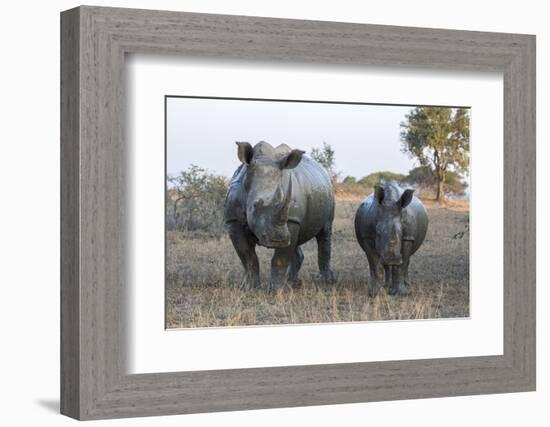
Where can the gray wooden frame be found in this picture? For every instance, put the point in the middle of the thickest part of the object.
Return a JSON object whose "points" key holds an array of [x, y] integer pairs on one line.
{"points": [[94, 41]]}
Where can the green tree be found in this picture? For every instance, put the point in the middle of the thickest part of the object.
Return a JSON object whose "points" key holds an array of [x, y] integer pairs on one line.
{"points": [[421, 176], [454, 184], [439, 138], [325, 156]]}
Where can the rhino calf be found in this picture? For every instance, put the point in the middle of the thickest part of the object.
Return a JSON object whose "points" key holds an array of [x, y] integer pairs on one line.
{"points": [[280, 199], [390, 226]]}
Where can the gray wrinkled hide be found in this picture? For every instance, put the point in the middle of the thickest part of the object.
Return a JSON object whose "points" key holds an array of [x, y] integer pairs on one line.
{"points": [[259, 209], [390, 226]]}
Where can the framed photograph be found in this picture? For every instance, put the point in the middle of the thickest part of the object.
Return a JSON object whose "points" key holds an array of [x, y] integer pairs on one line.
{"points": [[338, 200], [262, 213]]}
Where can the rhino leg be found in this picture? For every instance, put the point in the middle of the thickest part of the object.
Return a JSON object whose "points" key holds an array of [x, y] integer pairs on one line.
{"points": [[279, 267], [245, 246], [398, 281], [282, 259], [376, 268], [295, 265], [387, 274], [407, 250], [400, 272], [324, 242]]}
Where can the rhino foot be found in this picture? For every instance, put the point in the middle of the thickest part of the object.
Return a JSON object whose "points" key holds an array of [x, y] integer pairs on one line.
{"points": [[400, 290], [280, 288], [325, 278], [373, 290], [249, 282], [295, 283]]}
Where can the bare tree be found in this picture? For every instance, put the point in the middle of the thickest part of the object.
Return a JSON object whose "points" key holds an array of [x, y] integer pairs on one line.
{"points": [[325, 156]]}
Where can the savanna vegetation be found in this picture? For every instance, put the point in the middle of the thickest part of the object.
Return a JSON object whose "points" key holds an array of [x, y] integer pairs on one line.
{"points": [[203, 275]]}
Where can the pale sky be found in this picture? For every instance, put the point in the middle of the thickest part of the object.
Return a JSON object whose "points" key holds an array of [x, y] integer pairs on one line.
{"points": [[366, 138]]}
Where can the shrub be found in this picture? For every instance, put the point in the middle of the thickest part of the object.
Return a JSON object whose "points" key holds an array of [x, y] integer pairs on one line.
{"points": [[195, 201], [423, 178], [365, 185]]}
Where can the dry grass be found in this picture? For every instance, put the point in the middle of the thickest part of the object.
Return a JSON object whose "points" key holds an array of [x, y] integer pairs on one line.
{"points": [[202, 274]]}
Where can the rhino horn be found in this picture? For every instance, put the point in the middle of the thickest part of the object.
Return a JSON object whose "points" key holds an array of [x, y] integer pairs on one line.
{"points": [[285, 205]]}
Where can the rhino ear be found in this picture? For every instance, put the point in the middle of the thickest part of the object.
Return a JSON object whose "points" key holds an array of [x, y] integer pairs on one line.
{"points": [[379, 193], [291, 160], [406, 198], [245, 152]]}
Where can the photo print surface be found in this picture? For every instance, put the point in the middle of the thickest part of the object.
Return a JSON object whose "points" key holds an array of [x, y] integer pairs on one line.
{"points": [[295, 212]]}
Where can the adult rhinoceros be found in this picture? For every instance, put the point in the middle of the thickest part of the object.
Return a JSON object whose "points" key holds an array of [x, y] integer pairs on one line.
{"points": [[390, 226], [280, 199]]}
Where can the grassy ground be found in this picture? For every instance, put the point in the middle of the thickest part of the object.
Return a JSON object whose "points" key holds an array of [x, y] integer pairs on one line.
{"points": [[202, 274]]}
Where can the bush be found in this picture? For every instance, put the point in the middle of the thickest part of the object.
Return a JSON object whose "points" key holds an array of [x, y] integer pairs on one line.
{"points": [[375, 178], [365, 185], [423, 178], [195, 201]]}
